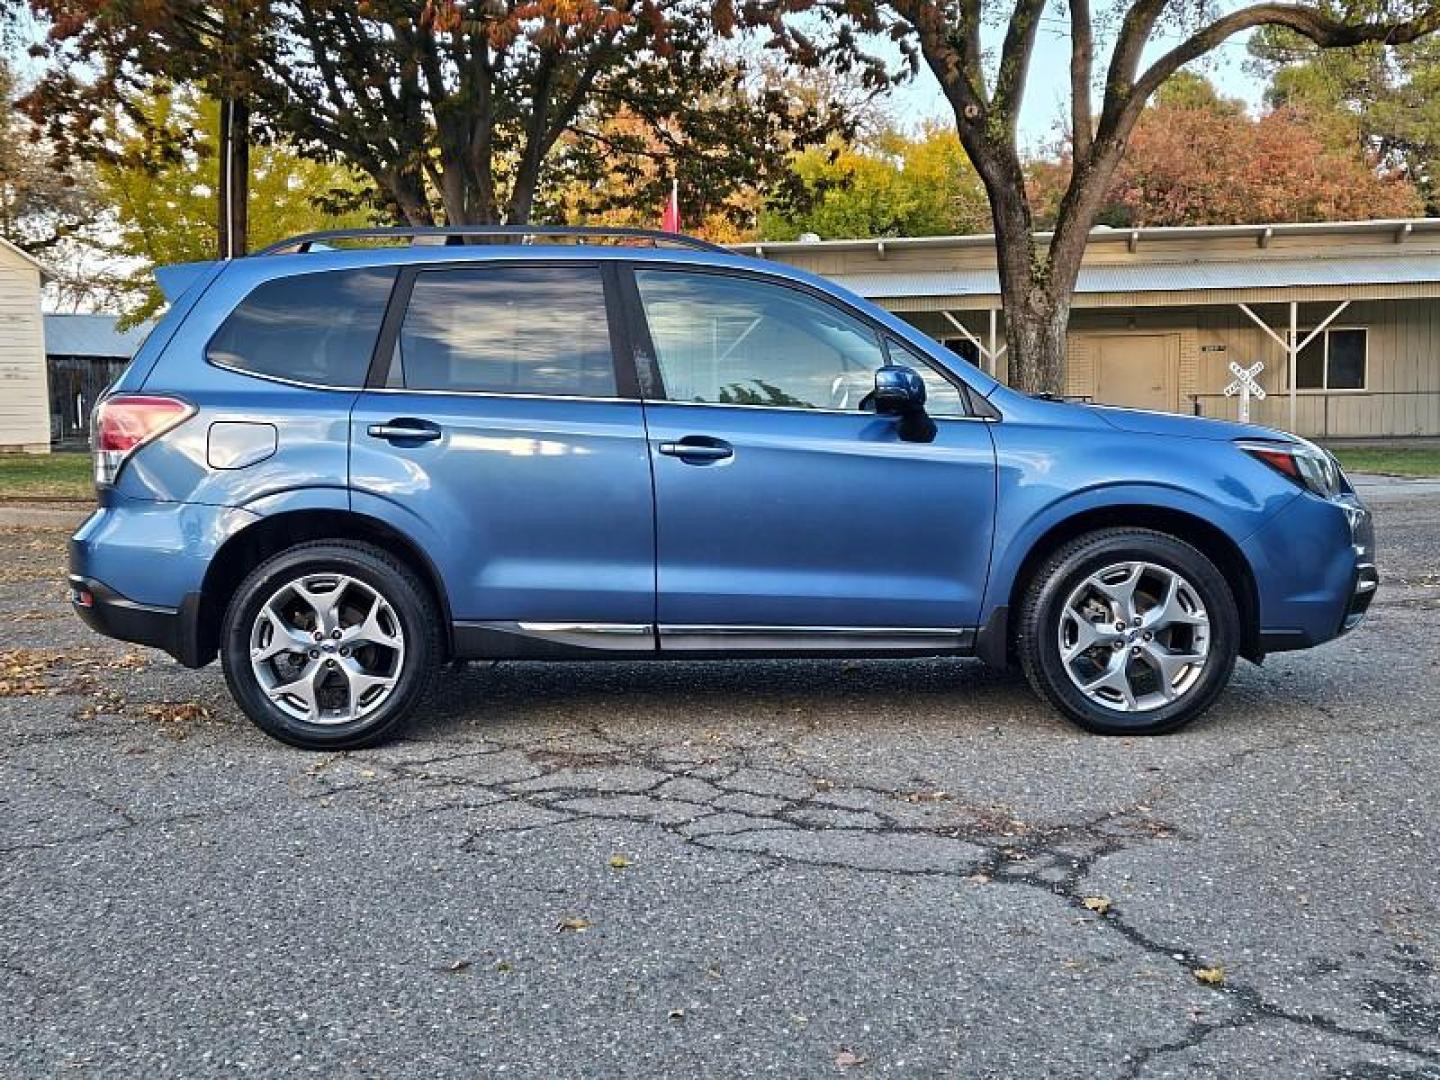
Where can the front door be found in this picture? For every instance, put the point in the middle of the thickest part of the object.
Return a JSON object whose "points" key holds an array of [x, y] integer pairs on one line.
{"points": [[787, 514], [504, 441], [1137, 371]]}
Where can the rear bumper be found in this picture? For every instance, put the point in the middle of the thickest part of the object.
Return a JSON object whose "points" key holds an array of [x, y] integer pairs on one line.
{"points": [[108, 612]]}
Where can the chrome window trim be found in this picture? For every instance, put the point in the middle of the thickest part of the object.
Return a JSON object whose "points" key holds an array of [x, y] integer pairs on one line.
{"points": [[405, 390], [807, 412]]}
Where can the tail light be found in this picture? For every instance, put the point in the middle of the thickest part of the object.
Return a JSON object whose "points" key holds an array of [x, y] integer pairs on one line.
{"points": [[126, 422]]}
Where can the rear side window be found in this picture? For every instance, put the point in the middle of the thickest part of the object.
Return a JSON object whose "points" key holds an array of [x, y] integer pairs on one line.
{"points": [[310, 328], [508, 330]]}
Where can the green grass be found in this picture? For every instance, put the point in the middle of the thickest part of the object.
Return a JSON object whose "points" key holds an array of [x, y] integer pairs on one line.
{"points": [[1401, 461], [46, 476]]}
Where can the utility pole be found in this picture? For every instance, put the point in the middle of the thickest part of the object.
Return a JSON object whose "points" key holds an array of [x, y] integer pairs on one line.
{"points": [[234, 186]]}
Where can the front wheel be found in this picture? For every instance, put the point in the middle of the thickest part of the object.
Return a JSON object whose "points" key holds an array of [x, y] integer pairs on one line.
{"points": [[330, 645], [1129, 632]]}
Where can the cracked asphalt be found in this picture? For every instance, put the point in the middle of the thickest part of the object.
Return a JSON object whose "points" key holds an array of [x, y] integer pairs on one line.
{"points": [[898, 868]]}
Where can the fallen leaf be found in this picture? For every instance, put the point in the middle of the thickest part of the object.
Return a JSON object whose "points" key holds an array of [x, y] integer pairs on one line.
{"points": [[848, 1059], [457, 967], [504, 967], [979, 879], [367, 774], [619, 862], [1210, 976], [572, 922], [1098, 904], [677, 1014], [824, 785]]}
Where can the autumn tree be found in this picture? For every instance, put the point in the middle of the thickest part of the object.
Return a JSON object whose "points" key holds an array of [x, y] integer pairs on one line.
{"points": [[1196, 158], [458, 112], [41, 208], [1383, 102], [163, 204], [1121, 47], [887, 185]]}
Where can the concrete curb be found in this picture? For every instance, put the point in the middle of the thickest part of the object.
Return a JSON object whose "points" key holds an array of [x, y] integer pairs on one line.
{"points": [[18, 515]]}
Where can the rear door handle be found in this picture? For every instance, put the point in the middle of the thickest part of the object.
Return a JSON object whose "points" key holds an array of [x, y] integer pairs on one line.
{"points": [[404, 429], [698, 448]]}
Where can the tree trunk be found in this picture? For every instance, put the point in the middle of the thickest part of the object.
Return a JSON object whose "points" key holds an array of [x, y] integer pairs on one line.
{"points": [[1035, 332]]}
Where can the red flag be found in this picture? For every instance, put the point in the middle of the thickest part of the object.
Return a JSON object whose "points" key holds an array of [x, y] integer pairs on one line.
{"points": [[670, 221]]}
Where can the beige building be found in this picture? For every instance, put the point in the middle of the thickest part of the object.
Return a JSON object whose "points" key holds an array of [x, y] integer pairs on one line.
{"points": [[24, 394], [1161, 313]]}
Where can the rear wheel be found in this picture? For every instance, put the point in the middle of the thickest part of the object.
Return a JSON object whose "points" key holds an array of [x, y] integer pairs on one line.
{"points": [[1129, 631], [331, 645]]}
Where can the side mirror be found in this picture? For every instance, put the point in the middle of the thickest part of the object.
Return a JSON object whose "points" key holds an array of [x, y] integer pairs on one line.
{"points": [[900, 392]]}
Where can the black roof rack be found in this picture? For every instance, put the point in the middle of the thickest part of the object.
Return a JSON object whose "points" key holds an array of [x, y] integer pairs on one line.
{"points": [[523, 234]]}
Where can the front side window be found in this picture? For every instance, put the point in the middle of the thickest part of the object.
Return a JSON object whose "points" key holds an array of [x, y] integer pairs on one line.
{"points": [[1333, 360], [731, 341], [309, 328], [942, 398], [508, 330]]}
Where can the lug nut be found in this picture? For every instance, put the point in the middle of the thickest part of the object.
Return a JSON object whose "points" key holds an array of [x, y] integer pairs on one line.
{"points": [[1137, 620], [1134, 652], [345, 651], [331, 663], [1119, 645], [1149, 636], [1120, 627], [319, 636], [336, 632], [314, 654]]}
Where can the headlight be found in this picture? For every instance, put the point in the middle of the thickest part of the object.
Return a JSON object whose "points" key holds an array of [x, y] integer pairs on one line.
{"points": [[1304, 463]]}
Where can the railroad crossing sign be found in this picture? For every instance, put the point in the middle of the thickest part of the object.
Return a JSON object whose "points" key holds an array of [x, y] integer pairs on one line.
{"points": [[1247, 385]]}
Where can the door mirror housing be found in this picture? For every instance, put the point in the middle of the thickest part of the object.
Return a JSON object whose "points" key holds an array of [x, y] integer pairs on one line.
{"points": [[900, 392]]}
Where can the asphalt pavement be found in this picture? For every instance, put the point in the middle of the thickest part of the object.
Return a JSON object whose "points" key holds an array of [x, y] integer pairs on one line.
{"points": [[792, 869]]}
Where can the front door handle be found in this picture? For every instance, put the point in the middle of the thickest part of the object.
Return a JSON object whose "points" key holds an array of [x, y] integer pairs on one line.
{"points": [[697, 449], [405, 429]]}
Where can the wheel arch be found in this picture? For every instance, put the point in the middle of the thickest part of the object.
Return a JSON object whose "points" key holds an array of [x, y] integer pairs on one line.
{"points": [[274, 533], [1212, 541]]}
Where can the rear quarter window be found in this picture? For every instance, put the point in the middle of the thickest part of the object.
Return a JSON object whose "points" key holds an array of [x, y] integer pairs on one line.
{"points": [[318, 328]]}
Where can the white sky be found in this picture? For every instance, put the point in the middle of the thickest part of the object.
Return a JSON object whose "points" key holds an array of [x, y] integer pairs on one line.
{"points": [[1047, 98]]}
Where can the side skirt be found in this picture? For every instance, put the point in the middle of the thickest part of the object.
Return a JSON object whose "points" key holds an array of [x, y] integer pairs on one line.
{"points": [[626, 641]]}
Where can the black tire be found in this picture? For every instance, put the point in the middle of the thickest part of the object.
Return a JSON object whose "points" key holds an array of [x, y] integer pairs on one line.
{"points": [[1041, 611], [413, 607]]}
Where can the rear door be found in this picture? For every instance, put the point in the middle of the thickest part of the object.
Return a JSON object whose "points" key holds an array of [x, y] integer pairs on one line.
{"points": [[787, 515], [507, 435]]}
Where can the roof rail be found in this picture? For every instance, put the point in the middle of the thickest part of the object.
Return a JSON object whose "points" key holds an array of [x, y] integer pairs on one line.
{"points": [[523, 234]]}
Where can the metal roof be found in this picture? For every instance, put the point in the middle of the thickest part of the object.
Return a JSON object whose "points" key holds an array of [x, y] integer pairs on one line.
{"points": [[91, 335], [1256, 273], [1397, 229]]}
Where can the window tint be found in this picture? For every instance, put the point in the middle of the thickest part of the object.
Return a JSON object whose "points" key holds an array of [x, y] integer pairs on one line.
{"points": [[736, 342], [942, 398], [312, 328], [965, 349], [1347, 360], [508, 330], [1310, 365]]}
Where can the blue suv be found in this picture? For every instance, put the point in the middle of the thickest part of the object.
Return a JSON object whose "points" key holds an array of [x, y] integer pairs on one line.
{"points": [[346, 460]]}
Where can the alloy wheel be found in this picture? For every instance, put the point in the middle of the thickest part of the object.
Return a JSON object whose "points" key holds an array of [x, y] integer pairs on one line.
{"points": [[1134, 636], [327, 649]]}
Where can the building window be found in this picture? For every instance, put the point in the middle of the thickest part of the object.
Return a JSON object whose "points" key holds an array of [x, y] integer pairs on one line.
{"points": [[1334, 360], [965, 349]]}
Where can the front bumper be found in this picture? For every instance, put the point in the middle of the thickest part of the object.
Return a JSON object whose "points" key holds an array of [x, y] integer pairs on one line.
{"points": [[108, 612], [1315, 572]]}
